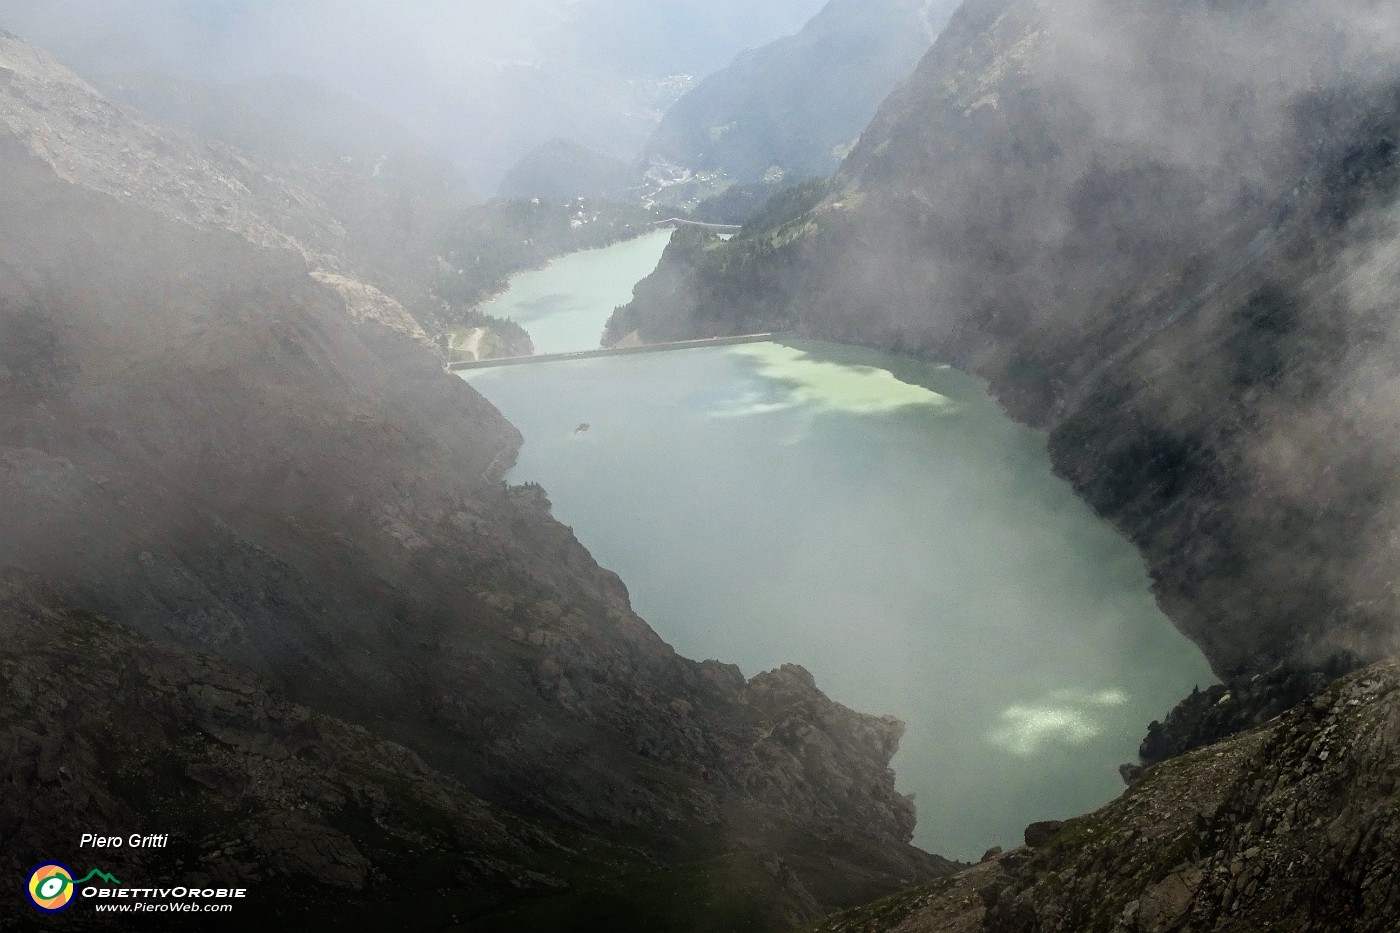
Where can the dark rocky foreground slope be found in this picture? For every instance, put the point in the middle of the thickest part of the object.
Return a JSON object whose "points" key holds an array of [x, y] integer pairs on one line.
{"points": [[1292, 826], [105, 730], [1165, 233], [214, 434], [324, 822]]}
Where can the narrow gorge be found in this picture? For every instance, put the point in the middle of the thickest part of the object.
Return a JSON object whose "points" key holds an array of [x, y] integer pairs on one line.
{"points": [[1052, 531]]}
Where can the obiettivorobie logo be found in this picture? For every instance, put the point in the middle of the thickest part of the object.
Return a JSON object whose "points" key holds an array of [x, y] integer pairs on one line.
{"points": [[51, 886]]}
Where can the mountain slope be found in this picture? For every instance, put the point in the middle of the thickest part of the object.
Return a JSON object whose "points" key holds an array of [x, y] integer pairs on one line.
{"points": [[795, 106], [284, 120], [400, 217], [318, 818], [342, 223], [485, 82], [562, 168], [213, 434], [1148, 228]]}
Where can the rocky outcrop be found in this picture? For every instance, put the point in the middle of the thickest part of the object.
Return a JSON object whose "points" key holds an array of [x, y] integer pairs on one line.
{"points": [[1207, 716], [808, 729], [1289, 827]]}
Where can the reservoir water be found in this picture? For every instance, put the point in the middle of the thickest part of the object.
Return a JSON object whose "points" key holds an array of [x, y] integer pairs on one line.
{"points": [[565, 305], [879, 521]]}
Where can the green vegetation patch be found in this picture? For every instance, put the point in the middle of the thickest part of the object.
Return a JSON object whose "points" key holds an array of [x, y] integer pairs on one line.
{"points": [[788, 205]]}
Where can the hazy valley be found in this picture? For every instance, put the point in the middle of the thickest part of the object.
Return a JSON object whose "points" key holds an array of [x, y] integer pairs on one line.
{"points": [[277, 582]]}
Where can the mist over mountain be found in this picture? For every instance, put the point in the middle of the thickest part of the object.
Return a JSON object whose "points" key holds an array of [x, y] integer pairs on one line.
{"points": [[1152, 230], [265, 584], [563, 169], [383, 202], [282, 119], [220, 439], [793, 108], [776, 115], [483, 82]]}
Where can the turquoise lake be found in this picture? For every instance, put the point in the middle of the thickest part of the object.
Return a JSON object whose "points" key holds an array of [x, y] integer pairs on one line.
{"points": [[876, 519]]}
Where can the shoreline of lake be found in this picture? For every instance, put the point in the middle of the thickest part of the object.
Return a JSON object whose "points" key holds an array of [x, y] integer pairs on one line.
{"points": [[897, 535]]}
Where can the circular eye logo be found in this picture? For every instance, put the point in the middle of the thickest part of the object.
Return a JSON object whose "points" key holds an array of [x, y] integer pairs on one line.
{"points": [[51, 887]]}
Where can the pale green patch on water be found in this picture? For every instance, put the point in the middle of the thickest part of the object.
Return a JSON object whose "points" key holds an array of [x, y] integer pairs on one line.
{"points": [[818, 386]]}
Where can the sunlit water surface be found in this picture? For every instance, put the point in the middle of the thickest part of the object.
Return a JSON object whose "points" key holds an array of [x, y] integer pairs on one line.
{"points": [[881, 522], [565, 305]]}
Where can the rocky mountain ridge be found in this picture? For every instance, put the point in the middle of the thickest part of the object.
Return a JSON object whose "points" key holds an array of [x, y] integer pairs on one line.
{"points": [[252, 791], [93, 143]]}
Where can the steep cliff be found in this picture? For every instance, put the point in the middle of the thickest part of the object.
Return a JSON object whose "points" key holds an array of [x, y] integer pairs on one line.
{"points": [[1163, 233], [215, 435]]}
